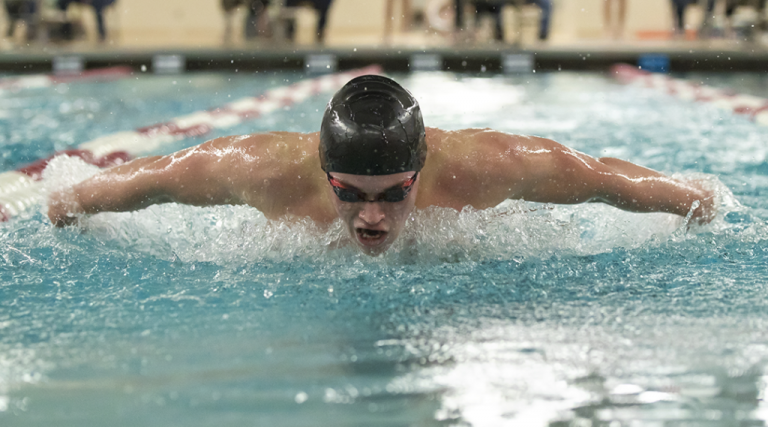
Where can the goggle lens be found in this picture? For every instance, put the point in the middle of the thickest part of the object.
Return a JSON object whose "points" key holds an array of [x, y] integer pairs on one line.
{"points": [[353, 195]]}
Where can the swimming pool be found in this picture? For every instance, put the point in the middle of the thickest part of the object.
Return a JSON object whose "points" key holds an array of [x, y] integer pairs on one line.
{"points": [[521, 315]]}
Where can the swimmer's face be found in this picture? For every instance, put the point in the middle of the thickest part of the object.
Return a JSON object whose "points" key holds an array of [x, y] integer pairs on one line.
{"points": [[374, 225]]}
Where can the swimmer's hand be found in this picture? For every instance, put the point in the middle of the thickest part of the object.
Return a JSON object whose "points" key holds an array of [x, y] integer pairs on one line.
{"points": [[705, 210], [64, 208]]}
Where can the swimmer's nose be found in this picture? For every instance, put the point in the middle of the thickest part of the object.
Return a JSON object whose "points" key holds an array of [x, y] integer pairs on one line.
{"points": [[371, 213]]}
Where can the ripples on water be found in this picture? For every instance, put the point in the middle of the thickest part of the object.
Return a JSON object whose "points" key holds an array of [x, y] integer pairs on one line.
{"points": [[525, 314]]}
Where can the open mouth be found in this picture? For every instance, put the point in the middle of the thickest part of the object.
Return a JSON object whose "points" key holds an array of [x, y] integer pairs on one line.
{"points": [[370, 237]]}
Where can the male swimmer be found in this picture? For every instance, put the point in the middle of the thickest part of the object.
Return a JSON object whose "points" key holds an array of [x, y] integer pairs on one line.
{"points": [[370, 165]]}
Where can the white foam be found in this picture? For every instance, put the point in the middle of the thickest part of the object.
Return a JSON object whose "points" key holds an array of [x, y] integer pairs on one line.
{"points": [[513, 230], [64, 171]]}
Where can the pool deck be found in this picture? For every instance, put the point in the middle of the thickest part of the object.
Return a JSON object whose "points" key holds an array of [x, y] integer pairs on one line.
{"points": [[718, 55]]}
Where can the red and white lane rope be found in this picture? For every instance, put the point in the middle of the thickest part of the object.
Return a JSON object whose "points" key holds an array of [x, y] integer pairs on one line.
{"points": [[754, 107], [35, 81], [20, 190]]}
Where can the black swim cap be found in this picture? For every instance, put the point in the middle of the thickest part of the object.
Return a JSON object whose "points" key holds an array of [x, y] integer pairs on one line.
{"points": [[372, 126]]}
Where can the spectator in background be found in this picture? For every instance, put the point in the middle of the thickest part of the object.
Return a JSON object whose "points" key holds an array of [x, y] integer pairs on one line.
{"points": [[22, 10], [98, 8], [709, 15], [493, 7], [407, 15], [257, 21], [614, 25], [707, 27], [678, 8], [229, 7], [759, 5], [321, 6]]}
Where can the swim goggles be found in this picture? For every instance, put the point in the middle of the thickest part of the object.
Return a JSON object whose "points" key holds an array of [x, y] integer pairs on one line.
{"points": [[397, 193]]}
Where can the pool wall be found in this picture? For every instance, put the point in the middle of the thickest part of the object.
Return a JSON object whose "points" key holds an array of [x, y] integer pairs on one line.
{"points": [[681, 58]]}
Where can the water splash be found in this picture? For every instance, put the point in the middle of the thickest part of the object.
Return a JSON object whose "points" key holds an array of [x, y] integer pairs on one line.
{"points": [[515, 229]]}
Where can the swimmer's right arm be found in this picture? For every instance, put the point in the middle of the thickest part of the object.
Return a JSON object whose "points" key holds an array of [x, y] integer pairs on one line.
{"points": [[200, 176]]}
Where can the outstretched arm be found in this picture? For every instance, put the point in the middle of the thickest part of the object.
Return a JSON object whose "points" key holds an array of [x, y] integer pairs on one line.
{"points": [[541, 170], [567, 176], [198, 176]]}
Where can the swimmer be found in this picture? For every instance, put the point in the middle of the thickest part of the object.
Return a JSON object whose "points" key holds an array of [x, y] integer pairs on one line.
{"points": [[372, 163]]}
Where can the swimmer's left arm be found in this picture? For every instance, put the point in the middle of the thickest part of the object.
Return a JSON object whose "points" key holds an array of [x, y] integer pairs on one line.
{"points": [[634, 188], [552, 173]]}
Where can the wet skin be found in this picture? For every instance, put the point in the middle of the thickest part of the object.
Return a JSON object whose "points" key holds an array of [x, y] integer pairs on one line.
{"points": [[279, 174]]}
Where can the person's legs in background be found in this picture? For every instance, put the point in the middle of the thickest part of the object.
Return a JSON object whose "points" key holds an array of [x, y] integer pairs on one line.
{"points": [[459, 18], [745, 29], [99, 11], [730, 9], [30, 14], [707, 26], [229, 7], [98, 7], [257, 19], [67, 31], [22, 10], [322, 7], [678, 9], [546, 15], [493, 9], [614, 27], [13, 12]]}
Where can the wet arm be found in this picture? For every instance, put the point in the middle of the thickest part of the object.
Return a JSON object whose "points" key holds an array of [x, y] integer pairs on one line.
{"points": [[635, 188], [194, 176], [566, 176]]}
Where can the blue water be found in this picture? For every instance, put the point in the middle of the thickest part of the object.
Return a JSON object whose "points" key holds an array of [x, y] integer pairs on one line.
{"points": [[520, 315]]}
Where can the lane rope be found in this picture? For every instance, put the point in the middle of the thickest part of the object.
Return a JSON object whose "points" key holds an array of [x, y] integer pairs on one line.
{"points": [[36, 81], [21, 190], [754, 107]]}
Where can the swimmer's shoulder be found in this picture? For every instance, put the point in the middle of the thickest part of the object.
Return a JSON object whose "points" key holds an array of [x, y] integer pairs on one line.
{"points": [[461, 162], [441, 139], [278, 173], [455, 161], [267, 142], [483, 144], [267, 152]]}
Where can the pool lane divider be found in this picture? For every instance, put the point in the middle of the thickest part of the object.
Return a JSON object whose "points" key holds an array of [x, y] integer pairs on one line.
{"points": [[21, 189], [36, 81], [754, 107]]}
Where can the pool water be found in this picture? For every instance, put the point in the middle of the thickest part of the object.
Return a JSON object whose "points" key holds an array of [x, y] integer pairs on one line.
{"points": [[526, 314]]}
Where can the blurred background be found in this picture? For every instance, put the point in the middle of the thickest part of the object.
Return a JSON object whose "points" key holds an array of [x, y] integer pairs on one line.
{"points": [[105, 25]]}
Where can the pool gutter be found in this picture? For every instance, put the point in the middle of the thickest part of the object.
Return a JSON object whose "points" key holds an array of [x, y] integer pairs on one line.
{"points": [[680, 58]]}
